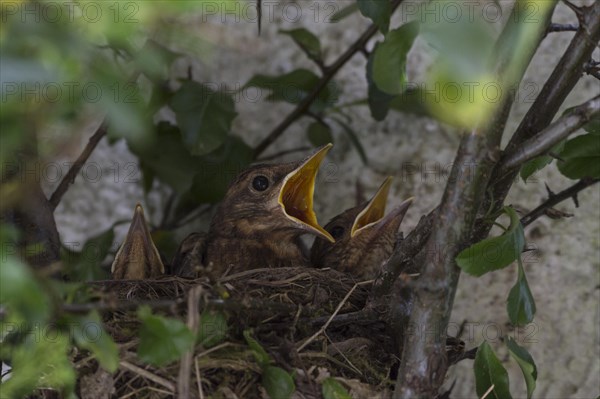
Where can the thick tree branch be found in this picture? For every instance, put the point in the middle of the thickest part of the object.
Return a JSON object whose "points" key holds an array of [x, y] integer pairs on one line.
{"points": [[555, 199], [424, 360], [330, 72], [542, 142]]}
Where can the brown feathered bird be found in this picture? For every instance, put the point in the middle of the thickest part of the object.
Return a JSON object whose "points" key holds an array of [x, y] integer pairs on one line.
{"points": [[137, 258], [364, 237], [258, 224]]}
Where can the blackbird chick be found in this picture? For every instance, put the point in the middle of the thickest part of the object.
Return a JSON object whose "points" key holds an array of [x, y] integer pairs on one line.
{"points": [[364, 238], [137, 258], [258, 224]]}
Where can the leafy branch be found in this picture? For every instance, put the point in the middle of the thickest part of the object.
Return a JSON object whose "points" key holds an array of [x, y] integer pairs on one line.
{"points": [[330, 72], [542, 142]]}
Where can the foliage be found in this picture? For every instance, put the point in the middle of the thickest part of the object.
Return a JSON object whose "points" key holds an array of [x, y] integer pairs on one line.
{"points": [[277, 382], [124, 73]]}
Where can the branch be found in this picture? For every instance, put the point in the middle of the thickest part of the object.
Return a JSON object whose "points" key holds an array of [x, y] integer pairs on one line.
{"points": [[558, 86], [124, 305], [554, 199], [552, 135], [331, 71], [69, 178], [562, 28], [424, 359]]}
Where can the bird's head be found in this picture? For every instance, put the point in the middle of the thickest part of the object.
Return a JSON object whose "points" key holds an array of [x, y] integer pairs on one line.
{"points": [[137, 258], [360, 233], [272, 200]]}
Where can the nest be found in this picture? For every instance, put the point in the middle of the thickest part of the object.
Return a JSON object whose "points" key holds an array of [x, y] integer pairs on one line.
{"points": [[288, 311]]}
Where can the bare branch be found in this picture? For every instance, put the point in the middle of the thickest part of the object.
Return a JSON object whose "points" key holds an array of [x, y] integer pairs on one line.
{"points": [[69, 178], [554, 199], [331, 71], [562, 28], [552, 135]]}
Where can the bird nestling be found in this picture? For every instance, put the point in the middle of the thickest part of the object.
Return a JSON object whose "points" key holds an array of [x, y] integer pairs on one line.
{"points": [[137, 258], [258, 224], [364, 237]]}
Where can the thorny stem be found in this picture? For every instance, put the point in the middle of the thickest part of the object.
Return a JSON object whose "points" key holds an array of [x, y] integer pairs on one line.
{"points": [[554, 199]]}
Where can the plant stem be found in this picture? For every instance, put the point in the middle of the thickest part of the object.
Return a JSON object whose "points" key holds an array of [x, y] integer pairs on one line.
{"points": [[555, 199], [550, 136], [331, 71]]}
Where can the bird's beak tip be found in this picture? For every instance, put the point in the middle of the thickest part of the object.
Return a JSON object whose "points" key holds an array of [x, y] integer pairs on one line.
{"points": [[296, 194]]}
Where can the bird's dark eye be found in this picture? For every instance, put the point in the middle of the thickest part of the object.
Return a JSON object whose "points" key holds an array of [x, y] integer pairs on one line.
{"points": [[337, 232], [260, 183]]}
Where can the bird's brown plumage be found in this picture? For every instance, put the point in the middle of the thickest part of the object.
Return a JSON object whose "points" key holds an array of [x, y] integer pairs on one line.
{"points": [[265, 210], [364, 237], [137, 258]]}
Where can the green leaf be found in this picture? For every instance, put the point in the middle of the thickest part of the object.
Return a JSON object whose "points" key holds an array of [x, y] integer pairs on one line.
{"points": [[379, 101], [278, 383], [20, 292], [489, 371], [262, 357], [344, 12], [307, 41], [354, 140], [162, 340], [379, 11], [466, 90], [332, 389], [216, 170], [154, 60], [520, 304], [319, 134], [212, 329], [203, 115], [412, 101], [494, 253], [389, 63], [168, 159], [581, 157], [526, 364], [41, 363], [537, 164], [85, 265], [464, 45], [89, 334], [166, 242], [593, 126], [294, 86]]}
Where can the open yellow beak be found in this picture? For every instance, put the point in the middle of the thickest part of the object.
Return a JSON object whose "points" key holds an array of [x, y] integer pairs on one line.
{"points": [[296, 195], [374, 210], [138, 257]]}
